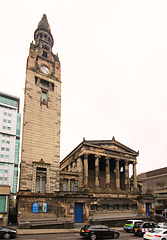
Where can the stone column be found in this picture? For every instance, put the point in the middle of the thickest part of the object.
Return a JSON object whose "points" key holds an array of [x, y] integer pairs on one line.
{"points": [[134, 177], [80, 170], [126, 175], [69, 186], [85, 170], [117, 175], [97, 183], [107, 172]]}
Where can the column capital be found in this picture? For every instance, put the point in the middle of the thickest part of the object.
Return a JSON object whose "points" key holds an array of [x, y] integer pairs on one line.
{"points": [[97, 156], [85, 156]]}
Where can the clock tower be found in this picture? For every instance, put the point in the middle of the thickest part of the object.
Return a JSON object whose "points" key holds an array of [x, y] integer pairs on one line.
{"points": [[40, 155]]}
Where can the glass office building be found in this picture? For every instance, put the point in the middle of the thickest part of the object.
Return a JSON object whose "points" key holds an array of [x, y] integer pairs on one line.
{"points": [[10, 122]]}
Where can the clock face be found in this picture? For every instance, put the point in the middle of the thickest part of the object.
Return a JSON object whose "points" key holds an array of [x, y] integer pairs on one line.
{"points": [[45, 69]]}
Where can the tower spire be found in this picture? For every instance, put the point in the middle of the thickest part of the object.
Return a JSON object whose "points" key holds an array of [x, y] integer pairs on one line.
{"points": [[43, 24], [43, 32]]}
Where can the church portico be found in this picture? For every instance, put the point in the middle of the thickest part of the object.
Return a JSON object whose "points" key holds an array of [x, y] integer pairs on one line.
{"points": [[103, 167]]}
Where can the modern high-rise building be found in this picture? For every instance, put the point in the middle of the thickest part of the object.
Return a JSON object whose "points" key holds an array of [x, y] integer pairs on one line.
{"points": [[10, 120]]}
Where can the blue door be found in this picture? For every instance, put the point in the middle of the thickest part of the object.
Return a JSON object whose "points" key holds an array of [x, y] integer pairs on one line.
{"points": [[147, 209], [78, 213]]}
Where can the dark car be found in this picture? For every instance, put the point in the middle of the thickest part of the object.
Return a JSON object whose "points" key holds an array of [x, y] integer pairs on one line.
{"points": [[137, 225], [144, 227], [7, 233], [98, 231]]}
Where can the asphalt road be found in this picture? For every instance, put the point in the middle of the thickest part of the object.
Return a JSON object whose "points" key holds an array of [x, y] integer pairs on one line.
{"points": [[70, 236]]}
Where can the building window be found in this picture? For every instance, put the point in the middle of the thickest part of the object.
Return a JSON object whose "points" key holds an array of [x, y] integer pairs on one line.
{"points": [[44, 54], [4, 120], [134, 206], [2, 156], [1, 170], [9, 121], [2, 148], [65, 185], [7, 142], [105, 206], [4, 127], [5, 113], [44, 97], [44, 83], [41, 180], [1, 178], [93, 207], [6, 156], [5, 178], [2, 204], [125, 206], [72, 185], [8, 128], [36, 80], [6, 171], [115, 206], [9, 114], [3, 141], [7, 149]]}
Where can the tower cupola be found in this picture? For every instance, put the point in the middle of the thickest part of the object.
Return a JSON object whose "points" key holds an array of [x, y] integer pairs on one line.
{"points": [[42, 34]]}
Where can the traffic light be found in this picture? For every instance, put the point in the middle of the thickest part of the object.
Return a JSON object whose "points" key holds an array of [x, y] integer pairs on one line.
{"points": [[164, 213]]}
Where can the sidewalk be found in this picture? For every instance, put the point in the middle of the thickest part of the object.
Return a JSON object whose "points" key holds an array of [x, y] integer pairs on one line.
{"points": [[52, 231]]}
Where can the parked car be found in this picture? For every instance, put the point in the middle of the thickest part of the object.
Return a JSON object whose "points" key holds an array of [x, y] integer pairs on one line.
{"points": [[7, 233], [144, 227], [98, 231], [162, 225], [129, 225], [160, 234], [137, 225]]}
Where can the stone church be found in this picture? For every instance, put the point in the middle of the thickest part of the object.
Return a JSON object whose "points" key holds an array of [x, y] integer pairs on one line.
{"points": [[92, 181]]}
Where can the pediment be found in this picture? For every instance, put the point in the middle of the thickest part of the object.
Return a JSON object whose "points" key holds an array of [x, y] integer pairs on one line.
{"points": [[112, 145]]}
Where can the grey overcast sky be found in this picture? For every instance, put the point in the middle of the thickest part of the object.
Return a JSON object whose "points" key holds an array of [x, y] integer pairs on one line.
{"points": [[113, 57]]}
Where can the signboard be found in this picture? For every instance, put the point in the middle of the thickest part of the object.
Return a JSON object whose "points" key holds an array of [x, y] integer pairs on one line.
{"points": [[35, 208], [158, 204], [44, 207]]}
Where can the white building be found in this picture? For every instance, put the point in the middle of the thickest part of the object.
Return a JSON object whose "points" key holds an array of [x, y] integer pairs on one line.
{"points": [[10, 120]]}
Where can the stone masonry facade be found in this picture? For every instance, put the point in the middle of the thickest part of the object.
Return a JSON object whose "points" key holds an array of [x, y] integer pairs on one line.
{"points": [[93, 179], [42, 111]]}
